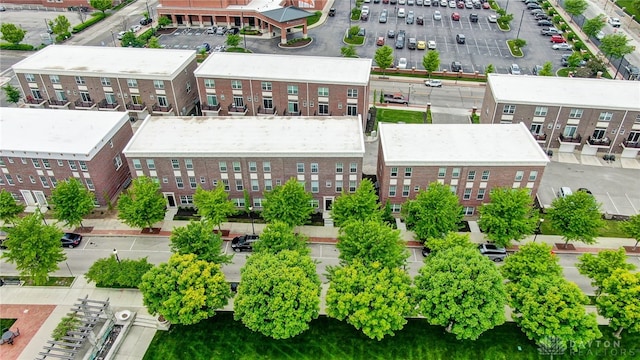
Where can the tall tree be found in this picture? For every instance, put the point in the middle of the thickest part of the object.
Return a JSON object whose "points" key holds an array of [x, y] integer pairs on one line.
{"points": [[509, 216], [490, 69], [600, 267], [185, 290], [592, 26], [233, 40], [449, 241], [277, 237], [372, 298], [360, 205], [371, 241], [198, 238], [434, 212], [60, 25], [34, 248], [288, 203], [129, 39], [279, 294], [12, 33], [547, 69], [576, 217], [71, 202], [164, 21], [12, 93], [631, 227], [142, 205], [575, 7], [620, 301], [462, 290], [9, 208], [101, 5], [348, 51], [532, 260], [384, 57], [550, 307], [118, 273], [154, 43], [616, 46], [431, 61], [214, 205]]}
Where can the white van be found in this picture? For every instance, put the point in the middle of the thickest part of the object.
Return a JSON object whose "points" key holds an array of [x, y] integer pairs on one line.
{"points": [[564, 191]]}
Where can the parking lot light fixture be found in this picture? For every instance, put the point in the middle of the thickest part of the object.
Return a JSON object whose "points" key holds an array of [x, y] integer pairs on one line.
{"points": [[115, 253], [520, 26], [535, 236], [253, 230]]}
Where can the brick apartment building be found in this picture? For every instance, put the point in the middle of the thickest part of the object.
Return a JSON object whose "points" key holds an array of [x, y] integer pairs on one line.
{"points": [[471, 159], [139, 81], [39, 147], [249, 153], [593, 116], [285, 85]]}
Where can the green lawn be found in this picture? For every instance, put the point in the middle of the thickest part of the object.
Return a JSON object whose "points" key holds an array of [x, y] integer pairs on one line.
{"points": [[6, 324], [629, 8], [396, 116], [611, 228], [223, 338]]}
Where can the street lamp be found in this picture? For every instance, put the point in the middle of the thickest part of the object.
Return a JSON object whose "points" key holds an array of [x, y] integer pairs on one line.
{"points": [[253, 230], [520, 26], [115, 253], [540, 221], [114, 39], [244, 33]]}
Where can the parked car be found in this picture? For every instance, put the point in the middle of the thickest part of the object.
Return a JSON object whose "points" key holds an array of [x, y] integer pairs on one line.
{"points": [[411, 2], [532, 6], [432, 45], [437, 15], [473, 17], [71, 240], [383, 16], [615, 22], [136, 28], [401, 13], [550, 31], [537, 11], [536, 69], [422, 45], [233, 31], [493, 252], [380, 41], [460, 4], [211, 30], [562, 46], [514, 69], [362, 32], [219, 48], [468, 4], [332, 12], [544, 23], [420, 20], [460, 38], [146, 21], [600, 35], [556, 39], [204, 47], [477, 4], [420, 2], [443, 3], [391, 34], [412, 44], [564, 60], [486, 6], [402, 63], [426, 251], [433, 83], [399, 42], [541, 16], [585, 190], [410, 18], [456, 66], [221, 30], [244, 242], [452, 4], [121, 35], [493, 18], [455, 16]]}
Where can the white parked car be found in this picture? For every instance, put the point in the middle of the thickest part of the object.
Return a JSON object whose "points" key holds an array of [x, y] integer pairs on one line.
{"points": [[615, 22], [401, 13], [431, 45], [365, 10], [493, 18], [562, 46], [433, 83], [514, 69], [402, 2], [599, 35], [452, 4], [136, 28], [437, 15], [402, 63], [121, 35]]}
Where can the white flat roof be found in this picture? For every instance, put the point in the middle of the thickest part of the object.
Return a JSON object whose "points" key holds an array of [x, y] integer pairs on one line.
{"points": [[258, 5], [460, 144], [268, 136], [138, 63], [552, 90], [312, 69], [57, 134]]}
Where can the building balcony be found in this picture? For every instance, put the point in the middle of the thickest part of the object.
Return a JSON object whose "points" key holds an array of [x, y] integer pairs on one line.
{"points": [[162, 109], [136, 107], [570, 139], [631, 144], [59, 104], [263, 111], [604, 142], [315, 113], [210, 110], [540, 137], [237, 110], [84, 105], [291, 113], [30, 101], [104, 105]]}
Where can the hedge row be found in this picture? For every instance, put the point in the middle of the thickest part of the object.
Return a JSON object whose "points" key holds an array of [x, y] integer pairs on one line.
{"points": [[95, 18]]}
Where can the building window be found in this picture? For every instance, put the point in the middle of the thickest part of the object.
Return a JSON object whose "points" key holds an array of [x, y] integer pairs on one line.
{"points": [[575, 113], [236, 84], [179, 183], [541, 111], [405, 190], [30, 77], [80, 80], [533, 175], [239, 202], [328, 183], [162, 101], [117, 162], [192, 182], [323, 91], [132, 83], [455, 173], [203, 180], [186, 199], [239, 185], [454, 189], [72, 165], [9, 179], [323, 109], [209, 83], [60, 163], [467, 194], [60, 95], [267, 103], [352, 93], [300, 167], [188, 164], [292, 107], [165, 180], [292, 89], [32, 179], [105, 81], [225, 183], [485, 175], [175, 164], [54, 182], [519, 175], [268, 185], [212, 100], [471, 175], [536, 128], [315, 186], [55, 79], [442, 172], [407, 172], [223, 166], [36, 163], [605, 116], [314, 203], [468, 210], [314, 168], [352, 110], [396, 208], [83, 165], [338, 186], [637, 118], [254, 185], [570, 131], [151, 164], [481, 194], [509, 109], [236, 166], [89, 183], [352, 186], [416, 188], [188, 87], [266, 166], [253, 166], [339, 168], [266, 86], [110, 98], [353, 168], [394, 172], [392, 190], [158, 84]]}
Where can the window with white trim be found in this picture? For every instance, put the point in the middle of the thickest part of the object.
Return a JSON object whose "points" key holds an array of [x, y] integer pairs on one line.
{"points": [[300, 168], [405, 190], [186, 199], [188, 164], [485, 175], [471, 175], [105, 81], [132, 83], [158, 84], [338, 186], [266, 166], [151, 164], [253, 166], [292, 89], [541, 111], [83, 165], [236, 166], [352, 93], [266, 86], [509, 109], [80, 80], [175, 164], [239, 185], [90, 185], [392, 190], [533, 175], [467, 194], [481, 193], [192, 182], [55, 79], [9, 179], [223, 166], [32, 179], [315, 186], [314, 168], [455, 173], [225, 182], [36, 163], [468, 210], [519, 175], [236, 84], [442, 172], [179, 183], [407, 172], [255, 186], [394, 172], [209, 83], [323, 91], [268, 185], [54, 182], [238, 202], [117, 162], [575, 113], [353, 168], [605, 116], [137, 164], [339, 168]]}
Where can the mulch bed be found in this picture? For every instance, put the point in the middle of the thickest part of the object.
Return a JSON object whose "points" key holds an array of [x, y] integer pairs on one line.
{"points": [[165, 31], [150, 231], [83, 230], [630, 249], [562, 246]]}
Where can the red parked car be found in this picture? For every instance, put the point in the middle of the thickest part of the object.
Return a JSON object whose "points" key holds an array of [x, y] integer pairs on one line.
{"points": [[455, 16], [556, 39]]}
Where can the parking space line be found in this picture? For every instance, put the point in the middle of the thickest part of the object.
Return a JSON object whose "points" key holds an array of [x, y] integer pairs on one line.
{"points": [[488, 47], [477, 47], [613, 203], [498, 46], [631, 203]]}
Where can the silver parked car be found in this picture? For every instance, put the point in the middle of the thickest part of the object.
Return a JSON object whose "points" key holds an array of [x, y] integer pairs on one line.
{"points": [[493, 252]]}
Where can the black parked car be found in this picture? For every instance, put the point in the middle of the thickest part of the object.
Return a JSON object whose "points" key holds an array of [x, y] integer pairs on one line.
{"points": [[71, 240], [146, 21], [244, 242], [544, 23]]}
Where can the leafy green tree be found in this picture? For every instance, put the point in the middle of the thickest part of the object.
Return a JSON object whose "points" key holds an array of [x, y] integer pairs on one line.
{"points": [[550, 307], [353, 31], [198, 238], [60, 25], [9, 208], [620, 301], [154, 43], [592, 26], [348, 51], [519, 43], [142, 205], [129, 39], [574, 60], [12, 93], [101, 5], [449, 241], [279, 236], [164, 21], [462, 290], [71, 202], [431, 61], [233, 40], [371, 241], [503, 19], [547, 69], [214, 205], [509, 216], [616, 46], [279, 294], [12, 33], [636, 5], [384, 57], [34, 248], [576, 217], [631, 227], [288, 203], [575, 7], [373, 298], [387, 215], [434, 212], [490, 69], [185, 290], [360, 205], [110, 273], [532, 260], [600, 267]]}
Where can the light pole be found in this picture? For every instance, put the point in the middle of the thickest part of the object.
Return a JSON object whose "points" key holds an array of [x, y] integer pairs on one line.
{"points": [[115, 253], [148, 11], [520, 26], [244, 33], [540, 221], [253, 230], [114, 39], [618, 68]]}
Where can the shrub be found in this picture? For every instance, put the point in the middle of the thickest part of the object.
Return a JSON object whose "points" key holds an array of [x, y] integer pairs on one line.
{"points": [[108, 272], [571, 36], [564, 26], [62, 37], [145, 36], [557, 19], [20, 47], [579, 45], [96, 18], [68, 323]]}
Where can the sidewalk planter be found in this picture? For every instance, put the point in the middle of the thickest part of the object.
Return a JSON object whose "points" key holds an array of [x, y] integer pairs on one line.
{"points": [[162, 323], [222, 233]]}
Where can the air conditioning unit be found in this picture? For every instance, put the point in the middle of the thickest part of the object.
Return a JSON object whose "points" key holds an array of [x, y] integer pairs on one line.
{"points": [[151, 97]]}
